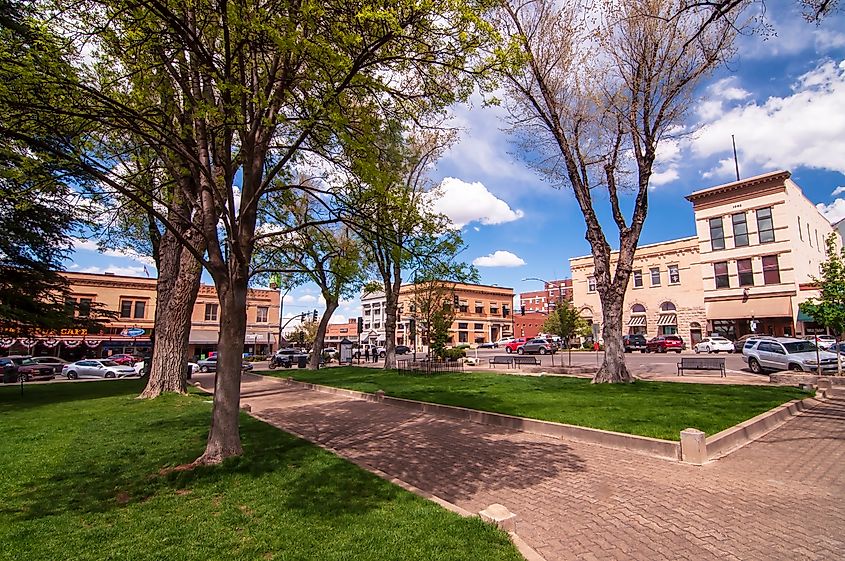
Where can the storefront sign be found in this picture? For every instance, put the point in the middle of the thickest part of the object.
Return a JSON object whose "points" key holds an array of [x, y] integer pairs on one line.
{"points": [[133, 332]]}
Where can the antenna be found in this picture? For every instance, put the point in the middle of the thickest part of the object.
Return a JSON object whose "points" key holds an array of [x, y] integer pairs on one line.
{"points": [[736, 160]]}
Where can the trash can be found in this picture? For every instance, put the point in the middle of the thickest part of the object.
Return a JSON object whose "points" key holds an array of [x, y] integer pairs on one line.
{"points": [[189, 371], [302, 361]]}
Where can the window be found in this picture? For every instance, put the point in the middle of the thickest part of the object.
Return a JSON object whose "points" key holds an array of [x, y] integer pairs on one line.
{"points": [[463, 337], [479, 327], [462, 325], [140, 309], [377, 325], [637, 309], [809, 239], [817, 241], [745, 272], [717, 233], [126, 308], [84, 307], [721, 272], [638, 278], [771, 271], [765, 227], [674, 274], [211, 312], [366, 311], [667, 307], [479, 308], [591, 284], [655, 276], [740, 229], [463, 307], [261, 314], [800, 233], [494, 308]]}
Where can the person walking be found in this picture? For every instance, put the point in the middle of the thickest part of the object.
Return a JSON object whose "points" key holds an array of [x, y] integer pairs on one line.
{"points": [[375, 354], [367, 354]]}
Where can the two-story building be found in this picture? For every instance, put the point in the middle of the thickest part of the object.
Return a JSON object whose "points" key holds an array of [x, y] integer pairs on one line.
{"points": [[543, 301]]}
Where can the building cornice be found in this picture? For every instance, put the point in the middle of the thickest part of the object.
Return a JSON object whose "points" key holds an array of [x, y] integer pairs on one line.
{"points": [[780, 175]]}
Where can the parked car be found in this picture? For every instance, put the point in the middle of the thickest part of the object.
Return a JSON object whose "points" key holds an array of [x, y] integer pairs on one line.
{"points": [[665, 343], [823, 341], [539, 345], [740, 343], [787, 353], [838, 348], [285, 358], [54, 361], [96, 368], [124, 359], [634, 342], [502, 342], [713, 345], [402, 349], [513, 345], [16, 368], [487, 345], [210, 365], [139, 368]]}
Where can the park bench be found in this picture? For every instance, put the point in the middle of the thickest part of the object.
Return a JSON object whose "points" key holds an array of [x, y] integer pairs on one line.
{"points": [[701, 363], [501, 359], [520, 360]]}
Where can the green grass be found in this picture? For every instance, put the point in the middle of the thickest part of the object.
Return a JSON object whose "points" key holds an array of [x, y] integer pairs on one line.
{"points": [[655, 409], [80, 479]]}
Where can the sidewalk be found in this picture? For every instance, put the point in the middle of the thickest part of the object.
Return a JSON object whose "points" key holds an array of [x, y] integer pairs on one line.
{"points": [[778, 498]]}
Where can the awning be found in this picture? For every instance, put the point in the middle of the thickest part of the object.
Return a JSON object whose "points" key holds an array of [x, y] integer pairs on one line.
{"points": [[198, 337], [668, 319], [636, 321], [775, 307], [802, 316]]}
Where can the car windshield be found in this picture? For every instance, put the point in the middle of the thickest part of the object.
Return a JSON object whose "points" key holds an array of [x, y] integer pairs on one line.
{"points": [[799, 347], [109, 363], [720, 340], [672, 338]]}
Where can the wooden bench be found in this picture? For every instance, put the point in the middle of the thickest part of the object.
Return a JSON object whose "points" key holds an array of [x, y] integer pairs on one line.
{"points": [[702, 363], [501, 359], [520, 360]]}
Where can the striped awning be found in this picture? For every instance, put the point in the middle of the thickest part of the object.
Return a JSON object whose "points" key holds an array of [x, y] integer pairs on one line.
{"points": [[668, 319], [636, 321]]}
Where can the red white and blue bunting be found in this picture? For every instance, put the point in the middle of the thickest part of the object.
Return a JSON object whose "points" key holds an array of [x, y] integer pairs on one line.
{"points": [[6, 342], [92, 343], [72, 344]]}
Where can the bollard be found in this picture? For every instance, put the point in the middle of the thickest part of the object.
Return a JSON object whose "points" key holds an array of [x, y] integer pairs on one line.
{"points": [[500, 516], [693, 447]]}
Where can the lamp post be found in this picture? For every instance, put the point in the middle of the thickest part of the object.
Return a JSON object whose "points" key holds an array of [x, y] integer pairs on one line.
{"points": [[557, 305], [281, 305]]}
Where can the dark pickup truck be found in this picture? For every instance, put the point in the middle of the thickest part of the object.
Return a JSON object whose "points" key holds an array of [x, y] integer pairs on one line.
{"points": [[16, 368]]}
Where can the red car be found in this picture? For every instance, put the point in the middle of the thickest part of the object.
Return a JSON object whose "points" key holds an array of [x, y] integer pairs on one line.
{"points": [[514, 345], [665, 343], [124, 360]]}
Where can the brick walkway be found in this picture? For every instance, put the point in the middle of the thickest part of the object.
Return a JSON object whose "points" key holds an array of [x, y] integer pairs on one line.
{"points": [[778, 498]]}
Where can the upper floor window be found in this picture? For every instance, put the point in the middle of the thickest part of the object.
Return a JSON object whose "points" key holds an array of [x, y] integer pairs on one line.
{"points": [[211, 312], [637, 309], [745, 272], [638, 278], [809, 239], [591, 284], [85, 307], [740, 229], [667, 307], [717, 233], [462, 325], [765, 227], [479, 327], [674, 274], [771, 271], [261, 314], [655, 276], [800, 233], [494, 308], [818, 246], [720, 270]]}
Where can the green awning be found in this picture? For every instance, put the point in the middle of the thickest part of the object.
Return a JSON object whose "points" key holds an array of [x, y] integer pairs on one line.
{"points": [[803, 316]]}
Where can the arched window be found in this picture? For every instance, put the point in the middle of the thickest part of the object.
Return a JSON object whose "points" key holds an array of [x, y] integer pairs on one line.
{"points": [[667, 307], [637, 309]]}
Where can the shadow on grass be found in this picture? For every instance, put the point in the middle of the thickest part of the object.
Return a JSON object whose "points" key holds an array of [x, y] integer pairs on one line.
{"points": [[37, 395]]}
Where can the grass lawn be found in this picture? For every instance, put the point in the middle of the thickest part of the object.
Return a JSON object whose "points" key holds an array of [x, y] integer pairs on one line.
{"points": [[80, 479], [656, 409]]}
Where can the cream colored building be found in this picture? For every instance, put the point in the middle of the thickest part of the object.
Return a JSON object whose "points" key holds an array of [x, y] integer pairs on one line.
{"points": [[664, 295], [759, 242]]}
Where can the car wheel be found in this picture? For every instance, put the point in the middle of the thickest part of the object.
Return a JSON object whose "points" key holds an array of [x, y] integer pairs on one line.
{"points": [[754, 366], [696, 349], [627, 350], [542, 351], [520, 351], [643, 350], [72, 375], [796, 368], [110, 375], [508, 350], [24, 377], [203, 368], [661, 349], [382, 355]]}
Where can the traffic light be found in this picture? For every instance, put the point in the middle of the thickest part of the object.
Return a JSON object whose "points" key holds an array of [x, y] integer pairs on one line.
{"points": [[413, 328], [301, 336], [456, 301], [522, 310], [505, 311], [315, 315], [360, 325], [302, 317]]}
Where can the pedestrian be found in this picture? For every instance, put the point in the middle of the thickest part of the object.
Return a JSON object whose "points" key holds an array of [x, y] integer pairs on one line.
{"points": [[367, 354], [375, 354]]}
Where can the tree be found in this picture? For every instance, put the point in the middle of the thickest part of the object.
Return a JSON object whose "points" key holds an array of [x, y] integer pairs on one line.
{"points": [[566, 323], [829, 308], [241, 92], [599, 87], [305, 334]]}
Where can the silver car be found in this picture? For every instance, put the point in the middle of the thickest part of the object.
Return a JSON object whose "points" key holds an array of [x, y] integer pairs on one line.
{"points": [[787, 353], [96, 368]]}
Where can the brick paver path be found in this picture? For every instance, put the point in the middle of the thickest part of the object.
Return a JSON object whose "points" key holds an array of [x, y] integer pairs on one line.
{"points": [[780, 497]]}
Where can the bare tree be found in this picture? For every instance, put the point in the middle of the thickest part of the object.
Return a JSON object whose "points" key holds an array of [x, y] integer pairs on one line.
{"points": [[596, 87]]}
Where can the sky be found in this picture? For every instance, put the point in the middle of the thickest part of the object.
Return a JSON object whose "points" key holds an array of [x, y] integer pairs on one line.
{"points": [[782, 97]]}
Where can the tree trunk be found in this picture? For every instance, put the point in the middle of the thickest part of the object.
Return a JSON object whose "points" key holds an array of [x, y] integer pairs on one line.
{"points": [[613, 368], [320, 336], [176, 292], [224, 438], [392, 307]]}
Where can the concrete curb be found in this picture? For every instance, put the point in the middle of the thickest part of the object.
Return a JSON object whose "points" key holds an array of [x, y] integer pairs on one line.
{"points": [[655, 447], [731, 439]]}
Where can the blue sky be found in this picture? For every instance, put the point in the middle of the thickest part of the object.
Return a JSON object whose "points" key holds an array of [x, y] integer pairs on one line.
{"points": [[782, 97]]}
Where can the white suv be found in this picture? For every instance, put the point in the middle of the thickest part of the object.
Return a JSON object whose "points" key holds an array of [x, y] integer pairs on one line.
{"points": [[786, 353]]}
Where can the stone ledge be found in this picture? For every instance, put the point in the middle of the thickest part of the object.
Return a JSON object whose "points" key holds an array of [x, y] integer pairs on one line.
{"points": [[793, 379], [733, 438]]}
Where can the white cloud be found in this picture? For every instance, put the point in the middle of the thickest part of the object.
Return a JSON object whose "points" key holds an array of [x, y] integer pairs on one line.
{"points": [[466, 202], [126, 271], [835, 211], [838, 191], [662, 177], [80, 244], [307, 299], [499, 258], [806, 128]]}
